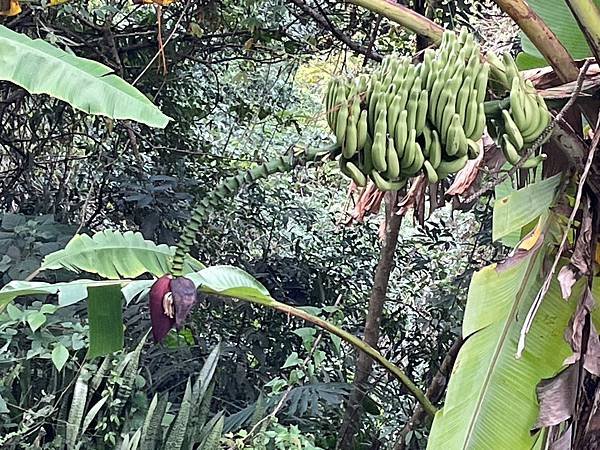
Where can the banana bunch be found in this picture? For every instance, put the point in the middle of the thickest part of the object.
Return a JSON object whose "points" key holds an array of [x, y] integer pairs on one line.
{"points": [[457, 84], [527, 117], [404, 118]]}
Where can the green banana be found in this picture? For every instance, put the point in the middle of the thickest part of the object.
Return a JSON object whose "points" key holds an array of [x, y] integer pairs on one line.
{"points": [[447, 116], [422, 106], [432, 176], [497, 69], [510, 69], [534, 161], [361, 130], [381, 122], [408, 157], [417, 162], [544, 121], [434, 96], [390, 93], [365, 158], [329, 95], [384, 185], [462, 99], [379, 151], [447, 167], [341, 122], [512, 155], [401, 133], [474, 149], [470, 121], [392, 116], [456, 142], [428, 56], [393, 163], [411, 107], [481, 82], [512, 130], [351, 137], [426, 141], [517, 108], [349, 169], [435, 151], [510, 152], [447, 98], [477, 132], [432, 75], [374, 99]]}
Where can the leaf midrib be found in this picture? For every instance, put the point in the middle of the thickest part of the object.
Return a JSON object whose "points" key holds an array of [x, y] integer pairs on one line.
{"points": [[497, 352], [156, 249]]}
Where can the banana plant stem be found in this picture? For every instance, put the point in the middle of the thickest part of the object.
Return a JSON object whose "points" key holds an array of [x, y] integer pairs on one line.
{"points": [[403, 16]]}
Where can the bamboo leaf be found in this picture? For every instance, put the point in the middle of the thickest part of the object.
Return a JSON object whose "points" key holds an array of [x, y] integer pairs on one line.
{"points": [[84, 84]]}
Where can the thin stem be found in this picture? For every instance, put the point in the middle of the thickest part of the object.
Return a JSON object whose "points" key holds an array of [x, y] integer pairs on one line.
{"points": [[351, 339]]}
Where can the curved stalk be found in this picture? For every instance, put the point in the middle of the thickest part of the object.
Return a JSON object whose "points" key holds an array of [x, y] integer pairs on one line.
{"points": [[349, 338], [229, 187], [403, 16]]}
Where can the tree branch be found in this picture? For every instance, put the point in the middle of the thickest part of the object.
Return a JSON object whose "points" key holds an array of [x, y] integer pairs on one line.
{"points": [[326, 24]]}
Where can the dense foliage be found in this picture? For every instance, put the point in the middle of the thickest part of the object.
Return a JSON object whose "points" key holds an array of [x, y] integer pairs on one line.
{"points": [[241, 83]]}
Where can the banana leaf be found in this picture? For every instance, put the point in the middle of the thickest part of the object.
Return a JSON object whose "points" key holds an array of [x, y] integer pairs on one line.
{"points": [[41, 68]]}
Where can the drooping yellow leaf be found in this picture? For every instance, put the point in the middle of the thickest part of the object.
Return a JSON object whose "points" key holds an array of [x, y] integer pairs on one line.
{"points": [[57, 2], [532, 238], [10, 8]]}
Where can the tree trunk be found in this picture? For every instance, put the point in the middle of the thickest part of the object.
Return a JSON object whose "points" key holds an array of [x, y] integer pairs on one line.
{"points": [[364, 364]]}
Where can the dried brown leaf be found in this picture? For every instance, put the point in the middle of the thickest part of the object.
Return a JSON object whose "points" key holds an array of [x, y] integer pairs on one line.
{"points": [[567, 277], [564, 441], [557, 397], [582, 255], [466, 177], [414, 194]]}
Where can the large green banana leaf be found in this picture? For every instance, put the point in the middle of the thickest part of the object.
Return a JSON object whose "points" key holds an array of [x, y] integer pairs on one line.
{"points": [[41, 68], [112, 254], [557, 15], [491, 401]]}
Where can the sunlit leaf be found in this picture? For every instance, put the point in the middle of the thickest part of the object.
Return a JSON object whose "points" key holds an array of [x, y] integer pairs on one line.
{"points": [[84, 84], [519, 208], [491, 400], [230, 282]]}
